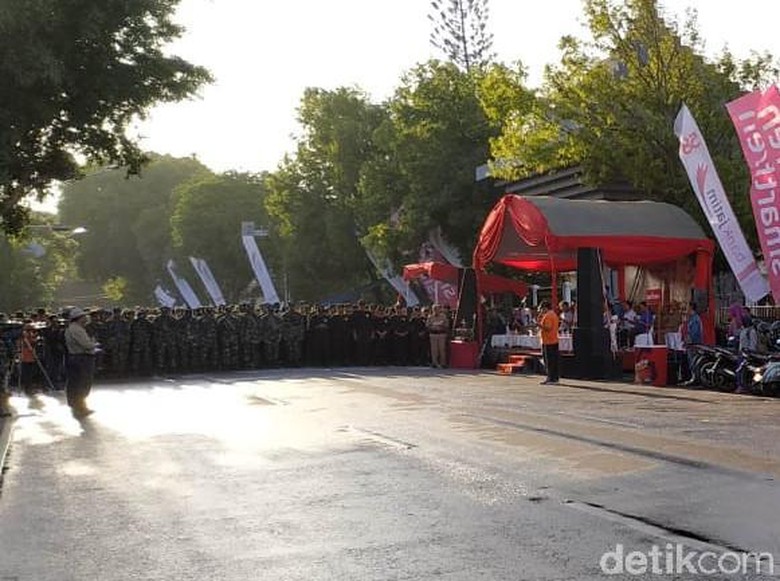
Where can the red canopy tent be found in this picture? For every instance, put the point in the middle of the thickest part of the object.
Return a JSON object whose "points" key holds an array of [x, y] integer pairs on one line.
{"points": [[487, 283], [543, 234]]}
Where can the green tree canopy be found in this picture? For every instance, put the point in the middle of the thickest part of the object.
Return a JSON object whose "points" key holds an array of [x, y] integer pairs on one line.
{"points": [[206, 223], [314, 197], [74, 74], [610, 106], [387, 173], [127, 221], [33, 264], [438, 133], [460, 31]]}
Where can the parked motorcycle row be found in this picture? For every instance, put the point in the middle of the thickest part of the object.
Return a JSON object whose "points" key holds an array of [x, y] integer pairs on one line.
{"points": [[751, 372]]}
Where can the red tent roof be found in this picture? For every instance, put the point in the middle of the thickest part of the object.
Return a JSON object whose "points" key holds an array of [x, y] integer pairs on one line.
{"points": [[487, 283], [543, 234], [434, 270]]}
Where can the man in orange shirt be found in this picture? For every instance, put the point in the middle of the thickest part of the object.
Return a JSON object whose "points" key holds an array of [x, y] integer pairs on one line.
{"points": [[548, 324]]}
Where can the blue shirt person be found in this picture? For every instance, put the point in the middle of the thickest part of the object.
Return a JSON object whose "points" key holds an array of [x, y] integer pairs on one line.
{"points": [[644, 323], [695, 331]]}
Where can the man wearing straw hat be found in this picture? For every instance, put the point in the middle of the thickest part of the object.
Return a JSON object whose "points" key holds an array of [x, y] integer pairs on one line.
{"points": [[81, 362]]}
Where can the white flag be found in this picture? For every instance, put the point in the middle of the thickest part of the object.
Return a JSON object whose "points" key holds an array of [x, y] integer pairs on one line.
{"points": [[184, 287], [207, 277], [709, 191], [447, 250], [260, 269], [398, 283], [164, 298]]}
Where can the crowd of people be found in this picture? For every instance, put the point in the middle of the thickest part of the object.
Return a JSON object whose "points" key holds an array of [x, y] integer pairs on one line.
{"points": [[144, 342]]}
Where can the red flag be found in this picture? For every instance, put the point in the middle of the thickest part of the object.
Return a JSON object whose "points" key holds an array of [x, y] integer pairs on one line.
{"points": [[756, 117]]}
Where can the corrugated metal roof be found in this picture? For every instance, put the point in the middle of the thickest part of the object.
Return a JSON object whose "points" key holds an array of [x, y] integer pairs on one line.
{"points": [[609, 218]]}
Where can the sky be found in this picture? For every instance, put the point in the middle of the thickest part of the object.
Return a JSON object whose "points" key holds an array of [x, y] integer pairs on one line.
{"points": [[264, 54]]}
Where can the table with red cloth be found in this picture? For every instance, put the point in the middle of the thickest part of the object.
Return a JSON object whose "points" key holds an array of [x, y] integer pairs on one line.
{"points": [[464, 354]]}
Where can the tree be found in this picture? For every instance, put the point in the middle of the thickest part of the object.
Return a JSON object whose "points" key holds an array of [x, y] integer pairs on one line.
{"points": [[385, 175], [437, 134], [460, 31], [314, 197], [33, 264], [128, 222], [611, 103], [75, 74], [206, 223]]}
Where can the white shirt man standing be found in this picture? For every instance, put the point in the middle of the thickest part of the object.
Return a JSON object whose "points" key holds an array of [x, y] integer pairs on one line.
{"points": [[81, 362]]}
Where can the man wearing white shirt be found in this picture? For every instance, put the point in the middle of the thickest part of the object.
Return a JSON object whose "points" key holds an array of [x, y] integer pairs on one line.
{"points": [[81, 363]]}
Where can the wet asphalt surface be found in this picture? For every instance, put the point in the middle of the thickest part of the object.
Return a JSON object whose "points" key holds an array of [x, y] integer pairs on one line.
{"points": [[383, 474]]}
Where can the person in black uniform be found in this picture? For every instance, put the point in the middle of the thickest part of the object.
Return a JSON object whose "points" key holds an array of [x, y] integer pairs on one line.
{"points": [[362, 323], [419, 344], [338, 335], [399, 339], [382, 336], [319, 333]]}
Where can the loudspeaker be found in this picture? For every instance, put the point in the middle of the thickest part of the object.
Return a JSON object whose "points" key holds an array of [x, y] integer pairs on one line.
{"points": [[592, 355], [590, 292]]}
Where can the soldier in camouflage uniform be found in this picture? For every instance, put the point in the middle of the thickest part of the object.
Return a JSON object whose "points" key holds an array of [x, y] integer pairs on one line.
{"points": [[99, 328], [124, 341], [119, 340], [163, 342], [209, 340], [293, 334], [141, 331], [184, 338], [271, 324], [197, 328], [227, 333], [247, 333], [255, 339]]}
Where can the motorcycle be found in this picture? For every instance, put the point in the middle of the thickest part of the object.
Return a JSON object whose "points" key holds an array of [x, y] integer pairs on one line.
{"points": [[714, 367], [760, 373]]}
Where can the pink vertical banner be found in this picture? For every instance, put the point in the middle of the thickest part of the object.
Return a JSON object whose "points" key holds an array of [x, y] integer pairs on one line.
{"points": [[756, 117]]}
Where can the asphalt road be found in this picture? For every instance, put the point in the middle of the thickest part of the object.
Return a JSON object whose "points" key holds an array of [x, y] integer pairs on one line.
{"points": [[387, 474]]}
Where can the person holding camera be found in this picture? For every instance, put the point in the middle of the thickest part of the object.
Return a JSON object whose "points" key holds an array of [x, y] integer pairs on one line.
{"points": [[81, 363]]}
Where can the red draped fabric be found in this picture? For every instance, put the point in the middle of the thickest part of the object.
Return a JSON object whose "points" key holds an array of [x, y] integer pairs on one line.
{"points": [[435, 270], [536, 247], [487, 283], [528, 222]]}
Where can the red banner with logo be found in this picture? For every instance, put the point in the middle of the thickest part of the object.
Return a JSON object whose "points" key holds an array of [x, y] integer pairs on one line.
{"points": [[756, 117]]}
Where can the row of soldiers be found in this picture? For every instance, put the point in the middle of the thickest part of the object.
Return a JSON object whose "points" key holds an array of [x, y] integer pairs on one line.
{"points": [[143, 342]]}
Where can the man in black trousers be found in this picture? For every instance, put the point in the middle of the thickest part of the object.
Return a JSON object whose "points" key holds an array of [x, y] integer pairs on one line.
{"points": [[81, 363]]}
